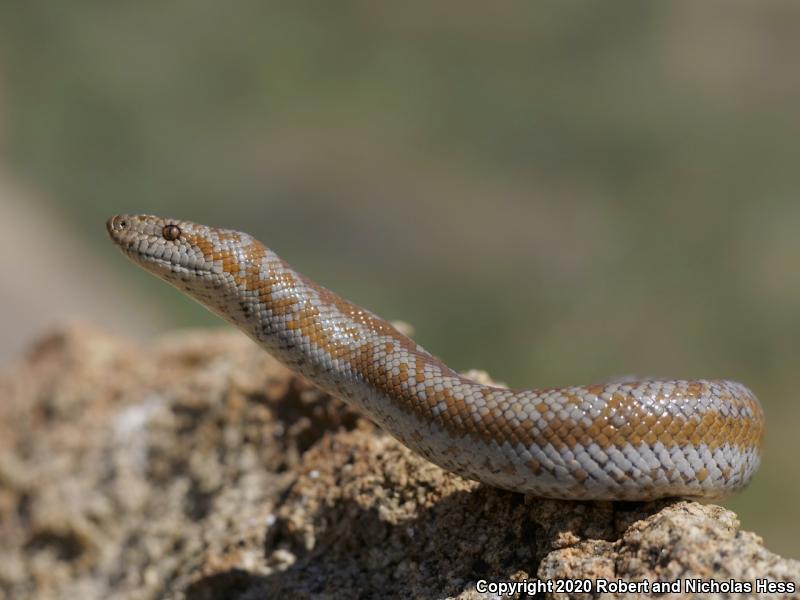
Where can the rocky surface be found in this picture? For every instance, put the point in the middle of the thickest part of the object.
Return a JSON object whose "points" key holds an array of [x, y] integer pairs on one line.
{"points": [[198, 468]]}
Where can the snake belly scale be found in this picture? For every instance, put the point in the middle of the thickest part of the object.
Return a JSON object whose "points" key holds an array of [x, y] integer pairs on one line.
{"points": [[636, 440]]}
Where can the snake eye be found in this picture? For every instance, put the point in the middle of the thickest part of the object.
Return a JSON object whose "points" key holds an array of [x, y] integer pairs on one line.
{"points": [[171, 232]]}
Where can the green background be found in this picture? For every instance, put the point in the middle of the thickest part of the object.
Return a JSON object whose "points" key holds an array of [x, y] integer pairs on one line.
{"points": [[555, 192]]}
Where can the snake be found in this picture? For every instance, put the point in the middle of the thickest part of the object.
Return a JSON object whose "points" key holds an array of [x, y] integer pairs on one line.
{"points": [[634, 440]]}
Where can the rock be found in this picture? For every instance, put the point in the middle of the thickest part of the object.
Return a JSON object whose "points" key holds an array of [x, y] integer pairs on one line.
{"points": [[197, 467]]}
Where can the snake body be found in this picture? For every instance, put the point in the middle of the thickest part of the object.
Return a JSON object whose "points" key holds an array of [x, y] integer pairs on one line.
{"points": [[637, 440]]}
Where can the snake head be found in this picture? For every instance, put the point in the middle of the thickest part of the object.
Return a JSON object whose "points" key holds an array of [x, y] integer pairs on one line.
{"points": [[165, 247], [194, 258], [222, 269]]}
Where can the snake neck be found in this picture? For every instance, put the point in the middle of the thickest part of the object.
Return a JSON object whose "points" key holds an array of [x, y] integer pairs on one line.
{"points": [[339, 346]]}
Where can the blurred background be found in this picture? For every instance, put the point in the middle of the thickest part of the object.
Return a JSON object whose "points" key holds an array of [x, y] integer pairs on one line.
{"points": [[555, 192]]}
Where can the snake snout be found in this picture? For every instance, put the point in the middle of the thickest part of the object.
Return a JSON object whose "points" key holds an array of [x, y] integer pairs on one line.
{"points": [[117, 224]]}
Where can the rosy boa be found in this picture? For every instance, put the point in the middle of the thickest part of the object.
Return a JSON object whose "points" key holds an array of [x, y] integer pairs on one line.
{"points": [[635, 440]]}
